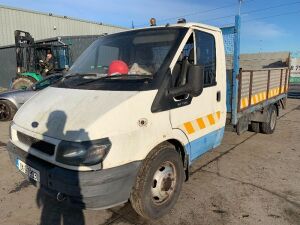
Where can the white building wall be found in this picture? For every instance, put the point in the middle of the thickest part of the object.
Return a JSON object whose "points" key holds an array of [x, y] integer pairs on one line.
{"points": [[42, 25]]}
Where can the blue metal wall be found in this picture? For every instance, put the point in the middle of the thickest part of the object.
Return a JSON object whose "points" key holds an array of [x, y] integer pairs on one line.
{"points": [[231, 36]]}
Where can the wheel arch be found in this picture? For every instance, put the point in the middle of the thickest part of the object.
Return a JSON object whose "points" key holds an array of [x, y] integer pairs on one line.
{"points": [[182, 151], [180, 148], [11, 109], [11, 100]]}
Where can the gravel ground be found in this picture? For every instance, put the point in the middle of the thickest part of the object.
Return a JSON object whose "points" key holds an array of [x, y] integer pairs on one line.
{"points": [[249, 179], [2, 89]]}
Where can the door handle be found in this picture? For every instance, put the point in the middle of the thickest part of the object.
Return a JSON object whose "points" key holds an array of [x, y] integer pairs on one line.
{"points": [[218, 96]]}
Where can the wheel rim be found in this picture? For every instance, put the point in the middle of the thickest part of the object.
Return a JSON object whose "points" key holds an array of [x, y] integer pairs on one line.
{"points": [[273, 119], [4, 112], [164, 182]]}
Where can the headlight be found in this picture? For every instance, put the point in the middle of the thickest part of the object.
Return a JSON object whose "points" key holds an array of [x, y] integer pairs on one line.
{"points": [[85, 153]]}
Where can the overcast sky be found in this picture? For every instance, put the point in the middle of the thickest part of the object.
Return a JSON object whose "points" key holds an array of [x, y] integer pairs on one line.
{"points": [[279, 32]]}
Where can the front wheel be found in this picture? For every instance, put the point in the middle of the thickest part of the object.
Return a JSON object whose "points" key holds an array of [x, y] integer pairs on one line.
{"points": [[158, 183], [23, 82], [7, 110]]}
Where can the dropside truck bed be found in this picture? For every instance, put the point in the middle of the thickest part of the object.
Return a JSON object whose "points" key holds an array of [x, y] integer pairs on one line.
{"points": [[257, 91]]}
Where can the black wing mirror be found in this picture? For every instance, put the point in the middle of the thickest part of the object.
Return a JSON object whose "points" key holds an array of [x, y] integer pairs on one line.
{"points": [[194, 84], [196, 80]]}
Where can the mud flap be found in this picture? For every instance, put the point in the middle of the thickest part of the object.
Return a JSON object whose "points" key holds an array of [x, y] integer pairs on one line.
{"points": [[242, 125]]}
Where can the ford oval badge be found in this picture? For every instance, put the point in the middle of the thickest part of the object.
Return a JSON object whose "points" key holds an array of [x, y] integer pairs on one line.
{"points": [[34, 124]]}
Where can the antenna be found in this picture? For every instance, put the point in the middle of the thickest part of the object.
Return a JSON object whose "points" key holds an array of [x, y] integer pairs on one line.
{"points": [[240, 6]]}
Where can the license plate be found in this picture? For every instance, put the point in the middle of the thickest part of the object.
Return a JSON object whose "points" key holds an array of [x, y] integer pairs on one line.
{"points": [[28, 170]]}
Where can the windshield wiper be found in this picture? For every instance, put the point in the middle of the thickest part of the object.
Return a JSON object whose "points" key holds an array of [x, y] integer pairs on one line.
{"points": [[141, 77], [129, 75], [83, 75]]}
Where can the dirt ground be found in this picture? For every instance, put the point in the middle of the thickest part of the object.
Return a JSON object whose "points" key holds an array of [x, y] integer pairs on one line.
{"points": [[249, 179]]}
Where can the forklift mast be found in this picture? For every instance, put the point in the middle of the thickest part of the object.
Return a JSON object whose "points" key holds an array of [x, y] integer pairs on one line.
{"points": [[28, 53], [24, 51], [23, 39]]}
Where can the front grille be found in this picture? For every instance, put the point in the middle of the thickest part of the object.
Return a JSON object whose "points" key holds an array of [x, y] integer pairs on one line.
{"points": [[37, 144]]}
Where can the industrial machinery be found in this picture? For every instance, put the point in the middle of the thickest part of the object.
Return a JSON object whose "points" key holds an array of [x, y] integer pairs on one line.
{"points": [[31, 57]]}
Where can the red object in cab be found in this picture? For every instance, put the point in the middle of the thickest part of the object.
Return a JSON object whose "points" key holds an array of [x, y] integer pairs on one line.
{"points": [[118, 67]]}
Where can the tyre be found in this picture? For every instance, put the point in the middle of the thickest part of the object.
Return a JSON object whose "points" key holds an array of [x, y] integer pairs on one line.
{"points": [[269, 126], [7, 110], [22, 82], [158, 183], [255, 127]]}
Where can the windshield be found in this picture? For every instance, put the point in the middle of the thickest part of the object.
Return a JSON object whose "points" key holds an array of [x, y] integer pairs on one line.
{"points": [[138, 53]]}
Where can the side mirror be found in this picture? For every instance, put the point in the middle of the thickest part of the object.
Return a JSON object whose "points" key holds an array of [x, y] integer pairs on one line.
{"points": [[194, 84], [195, 80]]}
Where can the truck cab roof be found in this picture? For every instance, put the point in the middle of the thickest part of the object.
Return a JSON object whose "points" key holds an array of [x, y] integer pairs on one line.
{"points": [[187, 25]]}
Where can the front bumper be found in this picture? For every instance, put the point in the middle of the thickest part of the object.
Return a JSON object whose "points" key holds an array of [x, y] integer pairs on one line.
{"points": [[89, 189]]}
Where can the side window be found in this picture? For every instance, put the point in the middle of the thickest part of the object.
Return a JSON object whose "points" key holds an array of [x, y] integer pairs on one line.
{"points": [[206, 56], [185, 59]]}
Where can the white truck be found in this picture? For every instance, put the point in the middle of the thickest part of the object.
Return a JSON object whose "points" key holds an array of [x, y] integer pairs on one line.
{"points": [[134, 112]]}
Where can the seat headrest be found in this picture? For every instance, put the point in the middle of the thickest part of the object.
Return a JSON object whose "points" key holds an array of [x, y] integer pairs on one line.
{"points": [[191, 56]]}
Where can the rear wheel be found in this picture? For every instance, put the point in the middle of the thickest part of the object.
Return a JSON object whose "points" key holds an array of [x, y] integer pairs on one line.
{"points": [[7, 110], [158, 182], [255, 126], [269, 126], [22, 82]]}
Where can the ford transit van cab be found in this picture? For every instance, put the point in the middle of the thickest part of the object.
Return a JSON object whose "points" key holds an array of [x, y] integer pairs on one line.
{"points": [[135, 110]]}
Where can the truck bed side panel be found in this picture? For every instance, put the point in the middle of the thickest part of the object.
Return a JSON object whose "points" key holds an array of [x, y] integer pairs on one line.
{"points": [[257, 86]]}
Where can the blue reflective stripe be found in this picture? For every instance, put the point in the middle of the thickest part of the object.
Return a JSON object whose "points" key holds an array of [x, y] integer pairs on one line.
{"points": [[203, 144]]}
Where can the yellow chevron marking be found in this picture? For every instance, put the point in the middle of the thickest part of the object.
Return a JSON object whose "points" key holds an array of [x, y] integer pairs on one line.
{"points": [[211, 119], [219, 114], [262, 96], [189, 127], [201, 123], [256, 99], [244, 102], [247, 102], [241, 103]]}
